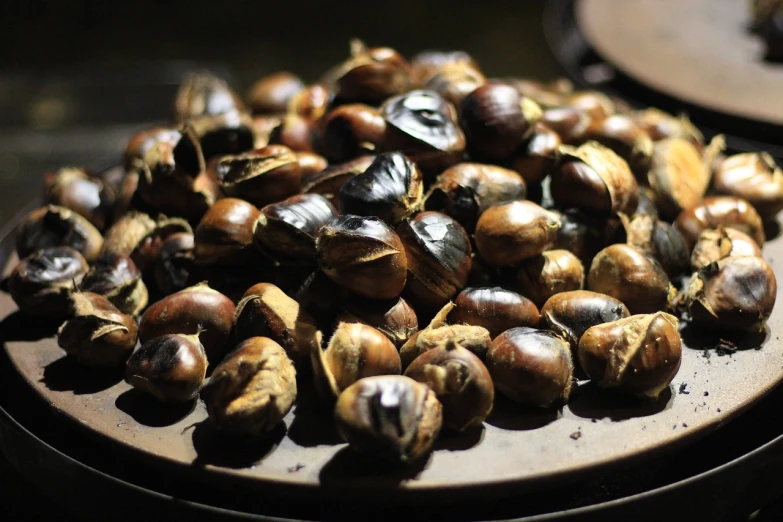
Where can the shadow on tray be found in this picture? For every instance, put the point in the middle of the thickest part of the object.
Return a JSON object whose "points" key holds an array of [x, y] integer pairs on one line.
{"points": [[722, 342], [590, 402], [233, 451], [148, 411], [313, 423], [23, 327], [350, 466], [508, 415], [66, 375]]}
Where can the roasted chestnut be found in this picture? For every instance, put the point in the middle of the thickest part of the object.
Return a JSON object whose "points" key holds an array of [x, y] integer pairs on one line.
{"points": [[596, 104], [295, 132], [42, 282], [311, 164], [127, 233], [175, 194], [584, 235], [75, 189], [660, 126], [553, 272], [461, 383], [427, 64], [165, 140], [496, 120], [267, 311], [455, 81], [626, 273], [371, 75], [594, 179], [660, 240], [531, 366], [310, 102], [714, 211], [476, 339], [571, 314], [116, 277], [203, 93], [394, 318], [536, 157], [364, 255], [735, 293], [646, 204], [174, 266], [53, 226], [271, 94], [620, 133], [493, 308], [252, 389], [640, 354], [171, 368], [438, 252], [390, 416], [97, 333], [467, 190], [715, 244], [225, 234], [328, 181], [569, 123], [197, 309], [352, 130], [262, 176], [216, 135], [509, 233], [754, 177]]}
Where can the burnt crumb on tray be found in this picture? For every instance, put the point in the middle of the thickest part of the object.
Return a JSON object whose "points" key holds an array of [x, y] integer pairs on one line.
{"points": [[683, 389]]}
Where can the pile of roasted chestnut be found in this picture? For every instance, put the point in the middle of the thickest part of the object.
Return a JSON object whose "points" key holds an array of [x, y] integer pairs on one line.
{"points": [[407, 237]]}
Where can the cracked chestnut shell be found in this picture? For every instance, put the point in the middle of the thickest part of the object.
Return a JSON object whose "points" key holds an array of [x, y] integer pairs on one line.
{"points": [[493, 308], [260, 176], [714, 211], [394, 318], [328, 181], [171, 368], [271, 94], [224, 236], [364, 255], [754, 177], [371, 75], [640, 354], [660, 126], [461, 383], [203, 93], [52, 226], [620, 133], [626, 273], [715, 244], [97, 333], [252, 389], [735, 293], [391, 417], [352, 130], [509, 233], [660, 240], [116, 277], [75, 189], [216, 135], [551, 273], [476, 339], [531, 366]]}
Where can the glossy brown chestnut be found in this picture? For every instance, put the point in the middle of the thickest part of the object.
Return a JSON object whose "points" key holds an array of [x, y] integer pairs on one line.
{"points": [[171, 368], [714, 211], [271, 94], [553, 272], [372, 74], [128, 232], [571, 314], [352, 130], [475, 339], [660, 240], [364, 255], [75, 189], [165, 140], [295, 132], [754, 177], [203, 93], [52, 226], [116, 277], [97, 333], [493, 308], [620, 133], [660, 126], [328, 181], [195, 309], [531, 366], [596, 104], [640, 354], [390, 416], [461, 383], [252, 389], [225, 234], [509, 233], [175, 264], [262, 176], [455, 81], [569, 123], [311, 164], [394, 318], [310, 102], [715, 244], [735, 293], [427, 64], [626, 273], [216, 135], [536, 157]]}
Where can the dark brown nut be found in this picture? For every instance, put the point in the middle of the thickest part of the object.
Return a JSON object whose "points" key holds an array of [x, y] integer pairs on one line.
{"points": [[271, 94], [122, 189], [311, 164], [252, 389], [53, 226], [352, 130], [481, 274], [596, 104], [735, 293], [42, 282], [553, 272], [647, 205], [222, 134], [287, 231], [364, 255], [476, 339], [262, 176], [176, 193], [467, 190], [127, 233], [660, 240], [146, 253], [531, 366], [715, 211], [390, 416], [424, 126], [394, 318], [455, 81], [536, 157], [628, 274], [197, 309], [75, 189], [584, 235], [371, 75], [267, 311], [438, 252], [171, 368], [493, 308], [310, 102], [97, 334], [754, 177], [571, 314], [509, 233], [355, 351], [322, 298], [165, 139], [328, 181], [660, 126], [620, 133], [116, 277], [594, 179], [175, 263], [679, 175], [569, 123], [204, 94], [461, 383], [640, 354], [225, 234], [391, 188], [427, 64], [715, 244], [496, 120], [295, 132]]}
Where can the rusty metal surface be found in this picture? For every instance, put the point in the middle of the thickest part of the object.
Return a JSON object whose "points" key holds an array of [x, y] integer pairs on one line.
{"points": [[699, 51]]}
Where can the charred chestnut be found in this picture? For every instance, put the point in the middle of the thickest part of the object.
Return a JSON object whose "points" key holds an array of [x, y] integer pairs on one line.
{"points": [[352, 130], [371, 75], [717, 243], [553, 272], [53, 226], [754, 177], [714, 211], [394, 318], [271, 94], [493, 308], [225, 234], [202, 94], [262, 176], [116, 277]]}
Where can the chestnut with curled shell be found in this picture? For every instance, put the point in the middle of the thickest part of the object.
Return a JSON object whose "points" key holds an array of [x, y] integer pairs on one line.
{"points": [[75, 189], [53, 226], [551, 273], [260, 176], [715, 244], [715, 211], [476, 339], [394, 318], [660, 240], [116, 277], [754, 177], [391, 417]]}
